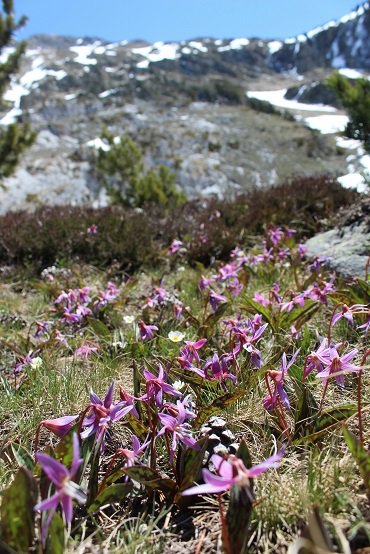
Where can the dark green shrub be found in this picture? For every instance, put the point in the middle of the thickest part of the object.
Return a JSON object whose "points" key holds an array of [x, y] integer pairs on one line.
{"points": [[120, 167]]}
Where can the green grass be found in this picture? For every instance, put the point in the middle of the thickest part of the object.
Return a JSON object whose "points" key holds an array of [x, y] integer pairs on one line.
{"points": [[319, 473]]}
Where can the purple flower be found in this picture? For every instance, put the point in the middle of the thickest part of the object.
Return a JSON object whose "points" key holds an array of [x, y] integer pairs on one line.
{"points": [[347, 313], [276, 235], [365, 326], [102, 414], [217, 369], [178, 428], [41, 328], [60, 425], [157, 385], [86, 349], [315, 359], [232, 472], [92, 230], [131, 455], [302, 250], [190, 352], [175, 246], [205, 282], [70, 317], [146, 331], [278, 376], [228, 271], [216, 299], [261, 299], [337, 366], [63, 481]]}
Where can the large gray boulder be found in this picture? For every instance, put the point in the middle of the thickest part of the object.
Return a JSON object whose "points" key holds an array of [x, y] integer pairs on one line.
{"points": [[348, 248]]}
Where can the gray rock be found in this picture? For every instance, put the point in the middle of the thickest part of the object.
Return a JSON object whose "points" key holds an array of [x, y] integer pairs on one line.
{"points": [[348, 248]]}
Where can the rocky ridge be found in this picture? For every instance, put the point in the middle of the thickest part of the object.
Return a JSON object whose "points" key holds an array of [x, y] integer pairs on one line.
{"points": [[193, 105]]}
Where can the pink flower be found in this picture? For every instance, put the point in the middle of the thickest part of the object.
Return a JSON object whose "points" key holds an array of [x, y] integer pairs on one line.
{"points": [[232, 472], [67, 489], [86, 349], [337, 366], [146, 331], [175, 246], [216, 299], [348, 311], [103, 413], [278, 376], [177, 427], [92, 230], [60, 425]]}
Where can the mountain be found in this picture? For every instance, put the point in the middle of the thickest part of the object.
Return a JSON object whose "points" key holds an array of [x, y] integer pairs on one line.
{"points": [[224, 114]]}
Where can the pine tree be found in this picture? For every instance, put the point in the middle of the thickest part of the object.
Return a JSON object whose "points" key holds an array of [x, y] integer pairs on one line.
{"points": [[15, 138], [355, 98], [120, 167]]}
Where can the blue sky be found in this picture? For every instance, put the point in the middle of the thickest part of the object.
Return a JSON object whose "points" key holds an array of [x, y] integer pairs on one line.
{"points": [[178, 19]]}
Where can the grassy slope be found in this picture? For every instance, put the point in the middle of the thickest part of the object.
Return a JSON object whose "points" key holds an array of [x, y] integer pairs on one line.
{"points": [[322, 472]]}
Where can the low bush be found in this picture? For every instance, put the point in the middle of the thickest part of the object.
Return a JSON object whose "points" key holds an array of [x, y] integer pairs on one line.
{"points": [[131, 238]]}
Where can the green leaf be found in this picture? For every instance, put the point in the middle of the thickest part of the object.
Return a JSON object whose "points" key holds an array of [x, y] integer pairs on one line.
{"points": [[94, 471], [299, 316], [192, 463], [64, 449], [56, 538], [320, 424], [244, 454], [22, 457], [238, 517], [194, 322], [151, 479], [218, 405], [142, 474], [136, 426], [360, 455], [255, 307], [306, 410], [110, 495], [99, 328], [213, 318], [17, 514]]}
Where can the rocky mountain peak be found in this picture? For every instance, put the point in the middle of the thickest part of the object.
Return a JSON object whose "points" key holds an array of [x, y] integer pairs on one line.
{"points": [[224, 114]]}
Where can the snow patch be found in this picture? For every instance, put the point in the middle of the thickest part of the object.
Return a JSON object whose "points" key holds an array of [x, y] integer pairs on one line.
{"points": [[353, 181], [99, 144], [198, 46], [70, 96], [24, 85], [156, 53], [7, 51], [277, 98], [84, 53], [327, 124], [107, 93], [236, 44], [274, 46]]}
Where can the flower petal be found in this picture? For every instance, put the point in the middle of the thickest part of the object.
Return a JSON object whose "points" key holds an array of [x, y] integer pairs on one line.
{"points": [[53, 469]]}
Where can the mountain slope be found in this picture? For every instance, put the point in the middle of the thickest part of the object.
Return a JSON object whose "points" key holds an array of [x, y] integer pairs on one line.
{"points": [[185, 103]]}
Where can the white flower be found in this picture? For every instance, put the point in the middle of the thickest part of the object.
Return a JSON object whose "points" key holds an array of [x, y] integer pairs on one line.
{"points": [[36, 363], [178, 385], [128, 319], [176, 336]]}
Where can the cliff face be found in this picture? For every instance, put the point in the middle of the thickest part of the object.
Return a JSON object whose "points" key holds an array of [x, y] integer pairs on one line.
{"points": [[186, 105], [338, 44]]}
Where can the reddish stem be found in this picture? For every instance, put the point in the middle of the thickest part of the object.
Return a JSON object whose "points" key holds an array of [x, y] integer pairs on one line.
{"points": [[225, 532], [331, 322], [359, 408]]}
